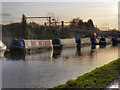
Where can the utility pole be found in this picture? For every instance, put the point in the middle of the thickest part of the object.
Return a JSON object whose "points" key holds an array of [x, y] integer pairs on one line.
{"points": [[49, 19]]}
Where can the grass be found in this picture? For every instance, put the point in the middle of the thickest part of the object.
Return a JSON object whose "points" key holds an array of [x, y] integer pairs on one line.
{"points": [[97, 78]]}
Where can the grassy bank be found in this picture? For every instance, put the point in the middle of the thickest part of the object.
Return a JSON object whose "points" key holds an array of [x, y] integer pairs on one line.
{"points": [[98, 78]]}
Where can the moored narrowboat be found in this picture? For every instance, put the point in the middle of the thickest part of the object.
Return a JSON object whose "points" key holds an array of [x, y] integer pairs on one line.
{"points": [[102, 41], [17, 44], [56, 44]]}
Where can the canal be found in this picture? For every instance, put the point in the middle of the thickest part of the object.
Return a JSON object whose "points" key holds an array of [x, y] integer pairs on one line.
{"points": [[52, 68]]}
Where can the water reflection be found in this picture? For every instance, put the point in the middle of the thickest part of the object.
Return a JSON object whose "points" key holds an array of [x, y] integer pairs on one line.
{"points": [[53, 54], [56, 53], [114, 44], [102, 46], [52, 68], [78, 51], [49, 55], [93, 47], [18, 55]]}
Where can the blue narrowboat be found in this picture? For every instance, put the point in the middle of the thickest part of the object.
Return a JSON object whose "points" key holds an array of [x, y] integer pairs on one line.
{"points": [[17, 44]]}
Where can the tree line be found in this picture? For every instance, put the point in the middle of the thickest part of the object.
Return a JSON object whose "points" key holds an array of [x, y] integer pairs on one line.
{"points": [[32, 30]]}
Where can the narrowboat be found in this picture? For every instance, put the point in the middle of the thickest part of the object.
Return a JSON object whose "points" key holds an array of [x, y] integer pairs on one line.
{"points": [[56, 44], [17, 45], [114, 41], [102, 41]]}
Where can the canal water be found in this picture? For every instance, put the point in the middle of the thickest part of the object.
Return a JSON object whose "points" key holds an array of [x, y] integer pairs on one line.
{"points": [[51, 68]]}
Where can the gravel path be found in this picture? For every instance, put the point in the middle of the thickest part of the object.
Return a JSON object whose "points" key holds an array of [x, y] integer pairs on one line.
{"points": [[115, 83]]}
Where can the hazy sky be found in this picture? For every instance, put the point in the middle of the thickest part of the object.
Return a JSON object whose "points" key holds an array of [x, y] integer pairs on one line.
{"points": [[104, 14]]}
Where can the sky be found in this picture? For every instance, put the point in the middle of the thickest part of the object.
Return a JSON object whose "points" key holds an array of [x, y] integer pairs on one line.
{"points": [[103, 14]]}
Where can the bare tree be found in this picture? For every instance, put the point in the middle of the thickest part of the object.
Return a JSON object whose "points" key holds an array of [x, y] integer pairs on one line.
{"points": [[75, 22], [54, 19]]}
